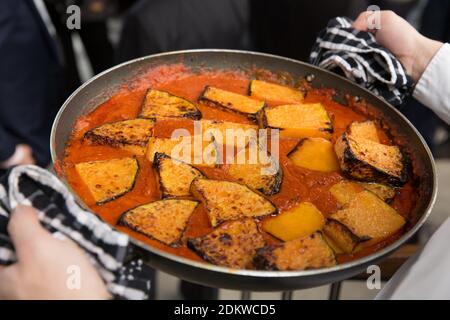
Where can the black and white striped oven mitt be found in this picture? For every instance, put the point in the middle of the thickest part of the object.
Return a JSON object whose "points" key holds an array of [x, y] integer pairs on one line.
{"points": [[61, 215], [356, 54]]}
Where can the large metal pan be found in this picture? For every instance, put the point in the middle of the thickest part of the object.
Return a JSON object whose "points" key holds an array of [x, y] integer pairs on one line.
{"points": [[103, 86]]}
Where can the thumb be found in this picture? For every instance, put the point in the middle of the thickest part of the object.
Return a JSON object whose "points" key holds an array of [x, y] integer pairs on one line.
{"points": [[361, 22], [25, 230]]}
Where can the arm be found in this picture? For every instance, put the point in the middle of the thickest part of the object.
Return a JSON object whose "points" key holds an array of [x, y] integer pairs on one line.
{"points": [[426, 61]]}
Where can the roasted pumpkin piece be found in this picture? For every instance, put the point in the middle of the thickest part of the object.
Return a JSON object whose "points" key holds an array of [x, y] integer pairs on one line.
{"points": [[369, 161], [161, 104], [274, 92], [109, 179], [298, 120], [232, 101], [229, 133], [163, 220], [174, 176], [310, 252], [183, 149], [365, 218], [315, 154], [257, 169], [364, 130], [233, 244], [226, 200], [345, 190], [298, 222], [131, 135], [385, 193]]}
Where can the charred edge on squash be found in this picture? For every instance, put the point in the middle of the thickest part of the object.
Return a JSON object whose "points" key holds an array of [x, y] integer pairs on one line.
{"points": [[122, 222], [105, 140], [99, 203], [353, 162], [251, 116], [157, 166], [196, 115], [346, 230]]}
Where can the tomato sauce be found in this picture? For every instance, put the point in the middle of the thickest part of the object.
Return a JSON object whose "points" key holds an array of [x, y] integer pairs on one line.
{"points": [[298, 184]]}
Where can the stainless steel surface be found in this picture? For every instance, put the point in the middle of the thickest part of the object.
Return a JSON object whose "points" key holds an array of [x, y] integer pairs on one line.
{"points": [[103, 86]]}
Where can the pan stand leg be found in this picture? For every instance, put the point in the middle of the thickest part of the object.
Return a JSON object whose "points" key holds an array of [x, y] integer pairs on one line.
{"points": [[335, 291], [246, 295], [286, 295]]}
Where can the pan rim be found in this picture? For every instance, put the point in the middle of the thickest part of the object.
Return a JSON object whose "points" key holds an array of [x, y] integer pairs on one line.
{"points": [[261, 273]]}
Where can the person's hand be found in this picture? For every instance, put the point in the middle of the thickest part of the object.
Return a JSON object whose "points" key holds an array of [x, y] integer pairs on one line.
{"points": [[21, 156], [413, 49], [47, 267]]}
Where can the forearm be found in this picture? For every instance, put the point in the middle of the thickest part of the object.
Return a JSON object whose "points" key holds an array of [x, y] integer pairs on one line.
{"points": [[433, 87]]}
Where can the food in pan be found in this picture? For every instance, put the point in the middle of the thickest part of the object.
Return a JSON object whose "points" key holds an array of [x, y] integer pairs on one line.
{"points": [[131, 134], [164, 220], [297, 222], [181, 148], [228, 133], [226, 200], [298, 120], [233, 244], [345, 190], [174, 176], [161, 104], [232, 101], [333, 188], [310, 252], [370, 161], [109, 179], [261, 173], [365, 218], [315, 154], [273, 92]]}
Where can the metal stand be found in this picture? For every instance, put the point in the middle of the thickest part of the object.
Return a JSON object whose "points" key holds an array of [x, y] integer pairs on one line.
{"points": [[286, 295], [335, 291], [246, 295]]}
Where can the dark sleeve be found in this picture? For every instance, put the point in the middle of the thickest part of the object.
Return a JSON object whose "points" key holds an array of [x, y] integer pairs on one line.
{"points": [[7, 145], [7, 141]]}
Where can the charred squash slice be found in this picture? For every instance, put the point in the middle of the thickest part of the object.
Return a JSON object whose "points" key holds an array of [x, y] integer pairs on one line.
{"points": [[232, 244], [174, 176], [131, 135], [365, 130], [226, 200], [183, 149], [232, 101], [109, 179], [274, 92], [369, 161], [315, 154], [298, 120], [163, 220], [161, 104], [366, 218], [310, 252], [258, 171], [229, 133], [345, 190], [300, 221]]}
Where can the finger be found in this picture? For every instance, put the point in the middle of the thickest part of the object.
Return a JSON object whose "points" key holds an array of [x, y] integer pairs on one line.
{"points": [[25, 230], [361, 22], [9, 283]]}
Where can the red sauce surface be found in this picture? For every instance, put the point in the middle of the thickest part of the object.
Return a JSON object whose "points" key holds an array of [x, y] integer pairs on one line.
{"points": [[298, 184]]}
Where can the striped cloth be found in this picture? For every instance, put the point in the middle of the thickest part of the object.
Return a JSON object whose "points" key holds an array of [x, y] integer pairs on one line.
{"points": [[356, 55], [107, 249]]}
